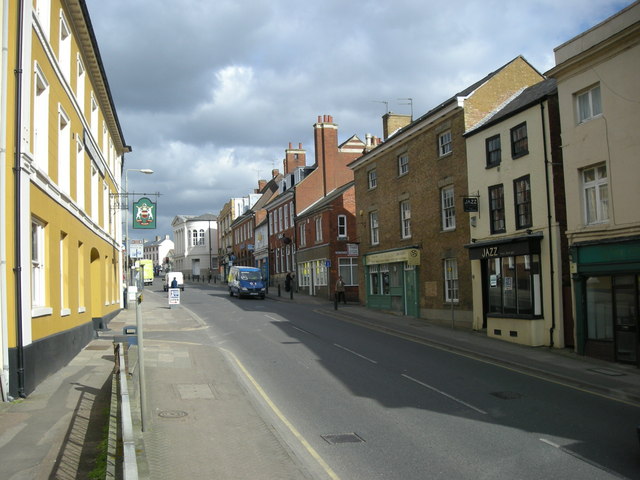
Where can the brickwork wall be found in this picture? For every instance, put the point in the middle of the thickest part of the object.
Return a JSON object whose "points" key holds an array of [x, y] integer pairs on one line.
{"points": [[428, 173]]}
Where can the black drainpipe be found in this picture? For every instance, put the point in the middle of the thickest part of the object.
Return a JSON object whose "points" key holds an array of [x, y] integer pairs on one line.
{"points": [[547, 164], [18, 224]]}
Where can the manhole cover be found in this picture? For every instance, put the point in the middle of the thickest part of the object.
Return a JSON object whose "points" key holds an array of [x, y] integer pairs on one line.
{"points": [[507, 395], [334, 439], [172, 414]]}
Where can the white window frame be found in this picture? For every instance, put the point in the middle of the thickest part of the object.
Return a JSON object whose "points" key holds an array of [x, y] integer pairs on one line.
{"points": [[403, 164], [41, 120], [348, 270], [405, 219], [286, 216], [291, 215], [64, 275], [94, 117], [105, 206], [451, 285], [303, 234], [201, 237], [318, 222], [372, 178], [80, 81], [64, 150], [374, 228], [342, 227], [448, 205], [80, 174], [95, 181], [595, 195], [445, 145], [588, 104], [64, 51], [43, 10], [38, 263]]}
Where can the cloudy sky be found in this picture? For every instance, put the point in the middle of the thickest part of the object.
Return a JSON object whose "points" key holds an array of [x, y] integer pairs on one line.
{"points": [[210, 93]]}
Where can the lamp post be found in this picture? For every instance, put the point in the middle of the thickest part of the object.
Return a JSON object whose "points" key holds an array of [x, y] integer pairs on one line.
{"points": [[139, 330]]}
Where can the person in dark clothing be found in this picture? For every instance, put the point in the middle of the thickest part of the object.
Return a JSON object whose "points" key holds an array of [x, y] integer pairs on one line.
{"points": [[340, 291], [287, 282]]}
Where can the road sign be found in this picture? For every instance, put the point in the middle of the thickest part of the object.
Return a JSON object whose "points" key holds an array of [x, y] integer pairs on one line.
{"points": [[136, 248], [174, 296]]}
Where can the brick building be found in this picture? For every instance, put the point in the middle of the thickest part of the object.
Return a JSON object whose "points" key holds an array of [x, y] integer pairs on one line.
{"points": [[411, 225], [325, 214]]}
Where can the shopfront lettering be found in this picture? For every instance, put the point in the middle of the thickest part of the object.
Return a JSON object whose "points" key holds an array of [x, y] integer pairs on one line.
{"points": [[489, 252]]}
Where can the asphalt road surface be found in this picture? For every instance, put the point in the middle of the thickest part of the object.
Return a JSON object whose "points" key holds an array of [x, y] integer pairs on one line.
{"points": [[355, 404]]}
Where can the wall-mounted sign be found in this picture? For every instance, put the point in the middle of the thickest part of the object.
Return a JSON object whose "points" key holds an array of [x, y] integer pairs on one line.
{"points": [[144, 214], [470, 204]]}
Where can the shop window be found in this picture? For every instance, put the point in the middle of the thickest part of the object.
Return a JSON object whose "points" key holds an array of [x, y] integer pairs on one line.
{"points": [[599, 308], [514, 285]]}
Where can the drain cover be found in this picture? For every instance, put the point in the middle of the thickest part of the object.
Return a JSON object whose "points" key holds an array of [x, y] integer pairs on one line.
{"points": [[334, 439], [507, 395], [172, 413]]}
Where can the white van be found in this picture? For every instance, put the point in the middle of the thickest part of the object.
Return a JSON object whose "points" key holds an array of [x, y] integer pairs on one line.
{"points": [[168, 278]]}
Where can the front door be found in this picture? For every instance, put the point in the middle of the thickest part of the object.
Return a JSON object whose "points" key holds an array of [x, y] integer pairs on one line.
{"points": [[625, 300]]}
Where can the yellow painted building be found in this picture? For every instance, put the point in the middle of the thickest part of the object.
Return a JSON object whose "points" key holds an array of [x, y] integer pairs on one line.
{"points": [[62, 155]]}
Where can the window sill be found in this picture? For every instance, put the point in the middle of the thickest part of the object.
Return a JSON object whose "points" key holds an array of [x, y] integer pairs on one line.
{"points": [[65, 312], [82, 309], [41, 312], [445, 155], [519, 155]]}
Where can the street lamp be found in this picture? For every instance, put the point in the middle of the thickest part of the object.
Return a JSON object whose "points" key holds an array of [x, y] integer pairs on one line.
{"points": [[139, 326]]}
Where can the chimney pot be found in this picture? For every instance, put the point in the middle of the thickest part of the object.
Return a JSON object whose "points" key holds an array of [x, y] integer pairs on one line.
{"points": [[290, 146], [300, 146]]}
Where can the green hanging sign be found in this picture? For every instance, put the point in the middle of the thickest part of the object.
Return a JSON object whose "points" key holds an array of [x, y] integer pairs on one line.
{"points": [[144, 214]]}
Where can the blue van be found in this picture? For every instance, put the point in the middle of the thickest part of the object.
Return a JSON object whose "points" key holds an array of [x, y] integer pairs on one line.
{"points": [[246, 282]]}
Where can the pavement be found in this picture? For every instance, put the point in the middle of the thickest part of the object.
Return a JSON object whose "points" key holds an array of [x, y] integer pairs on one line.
{"points": [[200, 420]]}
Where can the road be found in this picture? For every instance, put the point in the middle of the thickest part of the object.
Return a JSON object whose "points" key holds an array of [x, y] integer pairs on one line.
{"points": [[355, 403]]}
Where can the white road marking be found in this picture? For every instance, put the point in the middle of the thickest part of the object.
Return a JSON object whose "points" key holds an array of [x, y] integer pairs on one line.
{"points": [[468, 405], [354, 353]]}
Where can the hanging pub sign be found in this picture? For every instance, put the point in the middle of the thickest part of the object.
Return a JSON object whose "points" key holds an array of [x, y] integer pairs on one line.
{"points": [[470, 204], [144, 214]]}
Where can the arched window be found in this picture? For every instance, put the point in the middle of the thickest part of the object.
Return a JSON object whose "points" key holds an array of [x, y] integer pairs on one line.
{"points": [[194, 238], [201, 242]]}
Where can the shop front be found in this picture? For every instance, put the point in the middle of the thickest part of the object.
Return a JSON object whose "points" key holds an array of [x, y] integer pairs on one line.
{"points": [[606, 284], [508, 272], [391, 281]]}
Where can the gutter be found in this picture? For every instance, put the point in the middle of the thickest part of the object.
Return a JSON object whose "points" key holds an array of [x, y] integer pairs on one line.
{"points": [[17, 169], [547, 164], [4, 352]]}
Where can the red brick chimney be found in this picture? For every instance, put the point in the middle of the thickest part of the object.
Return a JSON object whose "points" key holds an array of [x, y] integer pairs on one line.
{"points": [[294, 158]]}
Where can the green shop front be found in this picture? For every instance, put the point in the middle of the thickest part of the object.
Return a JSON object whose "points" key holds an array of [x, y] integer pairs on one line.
{"points": [[391, 281], [606, 284]]}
